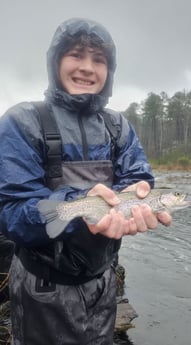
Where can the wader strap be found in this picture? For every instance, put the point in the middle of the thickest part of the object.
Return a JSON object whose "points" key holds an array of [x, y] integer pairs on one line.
{"points": [[113, 131], [52, 140]]}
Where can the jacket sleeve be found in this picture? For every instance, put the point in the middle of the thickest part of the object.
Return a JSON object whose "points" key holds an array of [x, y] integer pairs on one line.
{"points": [[131, 164], [22, 177]]}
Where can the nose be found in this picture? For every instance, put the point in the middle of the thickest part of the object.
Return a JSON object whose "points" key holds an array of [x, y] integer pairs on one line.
{"points": [[86, 65]]}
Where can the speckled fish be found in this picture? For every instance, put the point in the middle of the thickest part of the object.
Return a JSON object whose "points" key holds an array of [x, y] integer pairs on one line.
{"points": [[92, 208]]}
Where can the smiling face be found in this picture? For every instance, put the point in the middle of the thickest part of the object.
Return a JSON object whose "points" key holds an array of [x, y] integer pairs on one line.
{"points": [[83, 69]]}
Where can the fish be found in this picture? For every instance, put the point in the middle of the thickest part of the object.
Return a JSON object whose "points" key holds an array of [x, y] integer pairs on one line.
{"points": [[58, 214]]}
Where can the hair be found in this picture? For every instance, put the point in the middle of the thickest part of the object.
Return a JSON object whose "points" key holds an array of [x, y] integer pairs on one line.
{"points": [[84, 40]]}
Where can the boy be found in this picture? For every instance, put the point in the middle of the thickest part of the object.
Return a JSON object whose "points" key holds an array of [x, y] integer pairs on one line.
{"points": [[63, 289]]}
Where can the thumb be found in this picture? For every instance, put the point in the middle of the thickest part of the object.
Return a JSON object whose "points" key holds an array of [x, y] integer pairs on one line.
{"points": [[142, 189]]}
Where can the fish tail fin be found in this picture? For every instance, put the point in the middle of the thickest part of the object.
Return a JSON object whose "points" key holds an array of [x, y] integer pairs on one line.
{"points": [[54, 225]]}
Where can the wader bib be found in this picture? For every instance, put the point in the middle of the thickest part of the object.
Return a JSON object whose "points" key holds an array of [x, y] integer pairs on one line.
{"points": [[69, 297]]}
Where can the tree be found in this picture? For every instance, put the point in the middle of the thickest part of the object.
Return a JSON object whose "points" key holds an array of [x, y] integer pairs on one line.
{"points": [[132, 113], [180, 114], [152, 124], [163, 124]]}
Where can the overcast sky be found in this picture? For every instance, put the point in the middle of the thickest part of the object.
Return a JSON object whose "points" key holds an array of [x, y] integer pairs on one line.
{"points": [[153, 40]]}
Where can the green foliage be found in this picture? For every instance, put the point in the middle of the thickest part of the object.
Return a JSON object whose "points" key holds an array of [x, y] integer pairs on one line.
{"points": [[173, 160], [183, 161], [163, 125]]}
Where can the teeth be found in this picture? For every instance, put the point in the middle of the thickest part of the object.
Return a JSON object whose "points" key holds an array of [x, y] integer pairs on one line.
{"points": [[83, 82]]}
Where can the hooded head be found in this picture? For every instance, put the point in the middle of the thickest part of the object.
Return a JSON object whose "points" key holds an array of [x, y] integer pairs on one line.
{"points": [[66, 36]]}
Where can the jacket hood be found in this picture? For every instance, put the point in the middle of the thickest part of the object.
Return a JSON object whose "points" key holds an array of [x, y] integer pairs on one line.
{"points": [[60, 44]]}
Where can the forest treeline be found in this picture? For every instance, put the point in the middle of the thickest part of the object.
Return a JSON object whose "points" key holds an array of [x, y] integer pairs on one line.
{"points": [[163, 125]]}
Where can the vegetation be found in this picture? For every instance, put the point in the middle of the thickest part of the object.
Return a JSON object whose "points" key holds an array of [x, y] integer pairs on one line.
{"points": [[163, 125]]}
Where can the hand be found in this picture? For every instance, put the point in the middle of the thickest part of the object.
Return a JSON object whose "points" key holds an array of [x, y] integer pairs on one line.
{"points": [[143, 214], [114, 225]]}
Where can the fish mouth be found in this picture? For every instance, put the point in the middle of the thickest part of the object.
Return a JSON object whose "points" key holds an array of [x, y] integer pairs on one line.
{"points": [[184, 204], [176, 201]]}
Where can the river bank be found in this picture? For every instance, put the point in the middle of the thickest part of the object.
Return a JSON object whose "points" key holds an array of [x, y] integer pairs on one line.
{"points": [[179, 179]]}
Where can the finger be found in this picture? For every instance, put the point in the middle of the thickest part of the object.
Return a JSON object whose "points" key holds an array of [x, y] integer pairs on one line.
{"points": [[131, 229], [164, 218], [131, 188], [101, 226], [116, 228], [106, 193], [138, 218], [142, 189], [150, 218], [109, 225]]}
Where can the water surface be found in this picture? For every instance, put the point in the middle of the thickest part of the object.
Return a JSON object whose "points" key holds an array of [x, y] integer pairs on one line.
{"points": [[158, 281]]}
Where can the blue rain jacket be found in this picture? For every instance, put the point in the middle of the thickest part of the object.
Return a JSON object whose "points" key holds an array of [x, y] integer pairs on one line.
{"points": [[84, 137]]}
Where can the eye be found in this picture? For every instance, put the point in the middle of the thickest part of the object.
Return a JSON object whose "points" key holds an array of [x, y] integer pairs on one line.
{"points": [[100, 59], [75, 55]]}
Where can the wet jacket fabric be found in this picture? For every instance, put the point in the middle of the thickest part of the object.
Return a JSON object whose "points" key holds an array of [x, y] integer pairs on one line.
{"points": [[85, 138]]}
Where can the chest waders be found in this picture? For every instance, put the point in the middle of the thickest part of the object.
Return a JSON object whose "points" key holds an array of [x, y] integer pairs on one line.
{"points": [[49, 305]]}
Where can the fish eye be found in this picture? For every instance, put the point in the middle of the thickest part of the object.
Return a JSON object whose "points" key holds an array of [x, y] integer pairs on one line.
{"points": [[177, 193]]}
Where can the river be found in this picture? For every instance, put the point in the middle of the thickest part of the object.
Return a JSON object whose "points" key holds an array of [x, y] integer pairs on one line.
{"points": [[158, 275]]}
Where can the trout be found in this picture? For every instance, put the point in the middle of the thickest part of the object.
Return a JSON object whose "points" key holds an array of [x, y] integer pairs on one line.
{"points": [[58, 214]]}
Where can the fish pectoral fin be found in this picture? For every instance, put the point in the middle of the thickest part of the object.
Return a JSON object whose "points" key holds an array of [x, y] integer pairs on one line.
{"points": [[54, 225]]}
